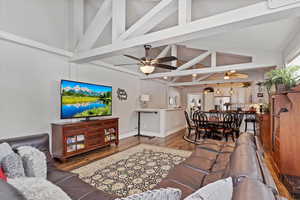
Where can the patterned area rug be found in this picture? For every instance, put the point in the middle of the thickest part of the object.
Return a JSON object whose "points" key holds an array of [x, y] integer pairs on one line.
{"points": [[135, 170]]}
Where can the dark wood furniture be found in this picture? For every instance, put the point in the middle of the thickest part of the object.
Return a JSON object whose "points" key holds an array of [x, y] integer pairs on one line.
{"points": [[285, 129], [70, 139], [265, 130]]}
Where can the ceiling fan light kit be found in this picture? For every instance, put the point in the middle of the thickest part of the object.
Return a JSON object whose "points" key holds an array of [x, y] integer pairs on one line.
{"points": [[147, 69], [148, 65]]}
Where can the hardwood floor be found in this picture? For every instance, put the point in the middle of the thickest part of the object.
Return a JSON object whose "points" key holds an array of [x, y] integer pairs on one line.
{"points": [[173, 141]]}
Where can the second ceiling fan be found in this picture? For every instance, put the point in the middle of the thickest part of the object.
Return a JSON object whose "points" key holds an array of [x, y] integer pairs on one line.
{"points": [[147, 64]]}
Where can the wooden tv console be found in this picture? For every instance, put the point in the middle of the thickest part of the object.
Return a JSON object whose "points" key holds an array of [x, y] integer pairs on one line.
{"points": [[70, 139]]}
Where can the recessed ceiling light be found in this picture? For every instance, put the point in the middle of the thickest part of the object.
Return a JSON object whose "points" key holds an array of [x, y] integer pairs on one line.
{"points": [[194, 75], [165, 77]]}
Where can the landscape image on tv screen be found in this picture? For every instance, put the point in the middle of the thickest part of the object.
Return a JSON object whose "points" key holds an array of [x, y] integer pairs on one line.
{"points": [[85, 100]]}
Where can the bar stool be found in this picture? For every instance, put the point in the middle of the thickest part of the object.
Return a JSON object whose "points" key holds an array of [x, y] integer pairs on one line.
{"points": [[251, 118]]}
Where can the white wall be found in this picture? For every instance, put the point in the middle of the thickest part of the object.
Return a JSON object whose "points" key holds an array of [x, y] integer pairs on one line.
{"points": [[29, 81], [45, 21], [157, 91]]}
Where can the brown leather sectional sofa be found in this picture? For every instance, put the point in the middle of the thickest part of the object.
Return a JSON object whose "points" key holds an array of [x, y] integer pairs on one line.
{"points": [[210, 161]]}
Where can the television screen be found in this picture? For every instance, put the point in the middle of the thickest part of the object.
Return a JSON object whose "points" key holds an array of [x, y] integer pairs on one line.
{"points": [[83, 100]]}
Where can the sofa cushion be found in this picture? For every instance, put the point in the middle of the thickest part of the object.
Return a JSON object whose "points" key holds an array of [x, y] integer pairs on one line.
{"points": [[249, 189], [76, 188], [221, 189], [244, 162], [187, 176], [204, 153], [245, 138], [212, 177], [202, 164], [34, 161], [38, 188], [56, 175], [221, 162], [5, 150], [156, 194], [13, 166], [39, 141], [185, 189], [8, 192]]}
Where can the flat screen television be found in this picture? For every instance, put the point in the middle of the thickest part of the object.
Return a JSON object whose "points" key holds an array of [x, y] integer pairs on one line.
{"points": [[85, 100]]}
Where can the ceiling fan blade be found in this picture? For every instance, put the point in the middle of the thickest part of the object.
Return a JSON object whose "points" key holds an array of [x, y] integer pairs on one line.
{"points": [[237, 75], [127, 64], [165, 59], [135, 58], [165, 66]]}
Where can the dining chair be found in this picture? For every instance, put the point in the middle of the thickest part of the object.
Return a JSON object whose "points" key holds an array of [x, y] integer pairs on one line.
{"points": [[251, 118], [227, 126], [201, 121], [238, 119], [191, 126]]}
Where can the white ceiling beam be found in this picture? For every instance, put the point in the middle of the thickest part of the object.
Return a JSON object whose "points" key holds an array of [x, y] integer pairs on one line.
{"points": [[184, 11], [209, 82], [118, 18], [77, 22], [292, 49], [204, 77], [194, 61], [208, 70], [156, 15], [164, 52], [213, 59], [33, 44], [174, 52], [96, 27], [255, 14]]}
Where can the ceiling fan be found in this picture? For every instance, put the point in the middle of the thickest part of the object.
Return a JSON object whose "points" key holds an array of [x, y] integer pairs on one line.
{"points": [[147, 64], [232, 74]]}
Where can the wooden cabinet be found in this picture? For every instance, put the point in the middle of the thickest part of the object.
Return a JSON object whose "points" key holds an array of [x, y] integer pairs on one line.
{"points": [[70, 139], [265, 130], [285, 128]]}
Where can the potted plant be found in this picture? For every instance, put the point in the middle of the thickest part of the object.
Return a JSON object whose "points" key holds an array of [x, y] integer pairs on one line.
{"points": [[283, 79]]}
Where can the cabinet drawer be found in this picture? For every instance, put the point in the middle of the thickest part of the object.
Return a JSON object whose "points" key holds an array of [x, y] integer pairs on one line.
{"points": [[97, 141]]}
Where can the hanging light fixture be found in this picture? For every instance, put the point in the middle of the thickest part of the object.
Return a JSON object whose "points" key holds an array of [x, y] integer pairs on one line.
{"points": [[231, 91], [147, 69], [226, 77], [208, 90]]}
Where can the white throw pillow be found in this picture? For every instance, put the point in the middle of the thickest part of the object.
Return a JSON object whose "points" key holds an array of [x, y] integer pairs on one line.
{"points": [[219, 190], [38, 189], [159, 194], [5, 150], [34, 161]]}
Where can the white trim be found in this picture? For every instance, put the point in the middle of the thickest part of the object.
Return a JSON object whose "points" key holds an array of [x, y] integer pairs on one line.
{"points": [[127, 134], [33, 44], [208, 70], [209, 82], [194, 61]]}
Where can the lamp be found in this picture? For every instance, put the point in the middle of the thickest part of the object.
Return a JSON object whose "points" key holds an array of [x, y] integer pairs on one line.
{"points": [[147, 69], [144, 99]]}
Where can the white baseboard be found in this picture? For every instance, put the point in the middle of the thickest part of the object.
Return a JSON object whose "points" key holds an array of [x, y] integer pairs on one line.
{"points": [[175, 130]]}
